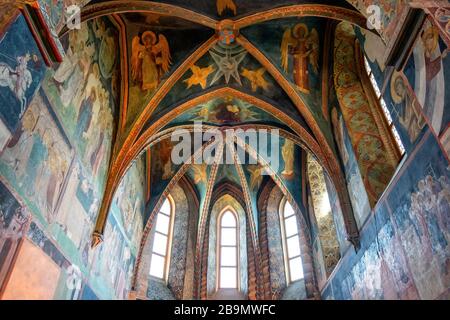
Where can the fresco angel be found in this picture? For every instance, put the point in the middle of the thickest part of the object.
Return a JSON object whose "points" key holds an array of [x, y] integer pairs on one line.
{"points": [[150, 60], [303, 46]]}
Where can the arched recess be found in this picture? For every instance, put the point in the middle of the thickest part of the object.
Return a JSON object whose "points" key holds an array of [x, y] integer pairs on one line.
{"points": [[121, 158], [308, 141], [273, 260], [375, 149], [180, 269], [324, 221], [254, 287], [225, 203], [150, 221]]}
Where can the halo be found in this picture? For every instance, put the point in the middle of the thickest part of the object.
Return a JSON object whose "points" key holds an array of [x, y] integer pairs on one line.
{"points": [[297, 28], [150, 34], [396, 76]]}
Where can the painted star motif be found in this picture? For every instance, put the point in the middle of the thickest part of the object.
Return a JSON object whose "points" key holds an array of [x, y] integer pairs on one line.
{"points": [[256, 176], [256, 78], [228, 66], [199, 76]]}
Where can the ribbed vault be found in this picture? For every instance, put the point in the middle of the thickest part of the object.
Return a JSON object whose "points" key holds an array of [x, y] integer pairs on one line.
{"points": [[194, 44]]}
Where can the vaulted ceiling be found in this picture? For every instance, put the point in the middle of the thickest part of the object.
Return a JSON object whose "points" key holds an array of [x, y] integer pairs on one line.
{"points": [[230, 64]]}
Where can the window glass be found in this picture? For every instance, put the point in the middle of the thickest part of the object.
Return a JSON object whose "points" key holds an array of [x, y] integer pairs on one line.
{"points": [[291, 243], [228, 250], [161, 241]]}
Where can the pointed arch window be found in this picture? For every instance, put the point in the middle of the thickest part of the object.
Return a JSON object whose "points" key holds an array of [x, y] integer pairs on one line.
{"points": [[291, 242], [384, 108], [228, 246], [162, 239]]}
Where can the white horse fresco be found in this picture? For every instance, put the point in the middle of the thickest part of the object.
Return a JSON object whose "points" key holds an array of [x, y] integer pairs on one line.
{"points": [[17, 80]]}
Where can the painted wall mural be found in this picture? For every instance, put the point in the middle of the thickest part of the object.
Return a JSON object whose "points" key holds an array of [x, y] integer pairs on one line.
{"points": [[37, 161], [225, 111], [275, 245], [222, 9], [429, 56], [374, 153], [422, 219], [295, 46], [84, 93], [150, 59], [155, 52], [21, 71], [163, 170], [399, 96], [357, 192], [323, 215], [303, 45], [14, 220], [428, 66], [405, 246], [55, 161], [114, 261], [113, 264], [245, 74], [393, 14]]}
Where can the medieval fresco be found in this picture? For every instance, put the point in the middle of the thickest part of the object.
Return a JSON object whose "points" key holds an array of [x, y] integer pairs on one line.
{"points": [[338, 216], [70, 278], [113, 263], [275, 245], [154, 52], [358, 195], [56, 157], [405, 250], [21, 71], [244, 74], [129, 203], [429, 77], [375, 155], [295, 47], [224, 111], [392, 14], [177, 268], [163, 169], [422, 219], [321, 209], [34, 277], [83, 90], [37, 160], [14, 220]]}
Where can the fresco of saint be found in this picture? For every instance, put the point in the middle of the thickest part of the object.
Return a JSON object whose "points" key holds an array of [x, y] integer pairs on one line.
{"points": [[150, 60], [303, 46], [287, 151], [430, 84]]}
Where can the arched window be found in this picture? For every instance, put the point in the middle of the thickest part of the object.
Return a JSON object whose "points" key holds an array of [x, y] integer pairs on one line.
{"points": [[228, 251], [382, 103], [162, 241], [291, 242]]}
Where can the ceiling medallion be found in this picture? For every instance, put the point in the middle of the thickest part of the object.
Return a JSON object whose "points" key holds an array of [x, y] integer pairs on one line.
{"points": [[227, 54], [227, 34]]}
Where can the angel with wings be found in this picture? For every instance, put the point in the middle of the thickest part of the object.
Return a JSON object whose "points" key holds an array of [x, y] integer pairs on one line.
{"points": [[150, 60], [303, 45]]}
